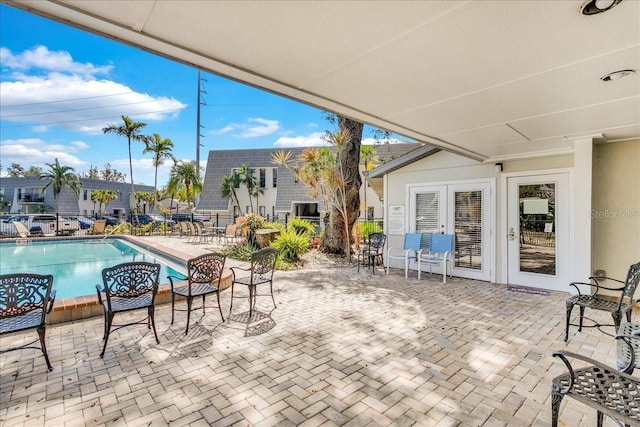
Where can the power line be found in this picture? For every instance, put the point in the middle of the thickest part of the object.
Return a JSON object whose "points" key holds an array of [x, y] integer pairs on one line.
{"points": [[76, 109], [65, 100], [86, 120]]}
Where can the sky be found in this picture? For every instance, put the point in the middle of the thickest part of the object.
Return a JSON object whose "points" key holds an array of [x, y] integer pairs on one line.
{"points": [[59, 87]]}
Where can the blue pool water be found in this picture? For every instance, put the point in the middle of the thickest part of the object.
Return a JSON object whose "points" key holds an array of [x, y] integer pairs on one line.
{"points": [[76, 265]]}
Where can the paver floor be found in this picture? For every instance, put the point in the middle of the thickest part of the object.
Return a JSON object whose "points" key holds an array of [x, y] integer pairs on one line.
{"points": [[341, 348]]}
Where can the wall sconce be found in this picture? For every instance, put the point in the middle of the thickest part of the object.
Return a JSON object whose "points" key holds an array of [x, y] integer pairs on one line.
{"points": [[498, 167]]}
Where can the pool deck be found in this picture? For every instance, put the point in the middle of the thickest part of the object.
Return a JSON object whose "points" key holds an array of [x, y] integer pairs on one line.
{"points": [[341, 348]]}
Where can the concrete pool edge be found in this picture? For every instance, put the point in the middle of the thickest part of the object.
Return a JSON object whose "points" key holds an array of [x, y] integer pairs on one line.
{"points": [[86, 306]]}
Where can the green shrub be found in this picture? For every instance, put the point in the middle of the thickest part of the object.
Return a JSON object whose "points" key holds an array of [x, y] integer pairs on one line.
{"points": [[291, 245], [253, 221], [241, 252], [301, 226]]}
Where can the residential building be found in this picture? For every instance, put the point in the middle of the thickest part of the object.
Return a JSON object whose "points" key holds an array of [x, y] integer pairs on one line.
{"points": [[281, 193], [28, 195]]}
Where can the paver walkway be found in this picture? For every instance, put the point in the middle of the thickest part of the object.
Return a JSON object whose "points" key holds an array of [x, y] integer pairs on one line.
{"points": [[341, 348]]}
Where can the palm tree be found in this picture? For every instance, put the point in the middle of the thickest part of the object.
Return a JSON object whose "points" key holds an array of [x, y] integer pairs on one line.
{"points": [[228, 187], [161, 149], [369, 160], [186, 174], [104, 197], [59, 177], [246, 177], [131, 130]]}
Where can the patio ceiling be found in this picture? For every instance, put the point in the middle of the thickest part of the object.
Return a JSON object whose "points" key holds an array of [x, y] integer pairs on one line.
{"points": [[487, 79]]}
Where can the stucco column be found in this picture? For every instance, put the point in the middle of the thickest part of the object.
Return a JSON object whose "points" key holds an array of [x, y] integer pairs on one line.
{"points": [[581, 214]]}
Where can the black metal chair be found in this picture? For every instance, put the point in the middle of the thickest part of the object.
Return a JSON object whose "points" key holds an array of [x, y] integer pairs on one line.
{"points": [[373, 251], [204, 274], [126, 287], [623, 304], [25, 301], [263, 264], [606, 389]]}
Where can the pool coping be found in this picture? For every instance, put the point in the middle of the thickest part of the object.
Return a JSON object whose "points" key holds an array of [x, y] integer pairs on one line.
{"points": [[86, 306]]}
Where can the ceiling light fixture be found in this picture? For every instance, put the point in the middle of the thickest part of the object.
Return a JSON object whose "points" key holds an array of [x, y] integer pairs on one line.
{"points": [[593, 7], [616, 75]]}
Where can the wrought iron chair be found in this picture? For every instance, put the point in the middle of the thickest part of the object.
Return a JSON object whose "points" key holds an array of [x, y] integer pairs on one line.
{"points": [[126, 287], [606, 389], [410, 248], [204, 274], [263, 264], [594, 301], [25, 301], [373, 251]]}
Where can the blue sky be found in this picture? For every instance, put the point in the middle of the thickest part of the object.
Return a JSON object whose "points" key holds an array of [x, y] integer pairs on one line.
{"points": [[60, 86]]}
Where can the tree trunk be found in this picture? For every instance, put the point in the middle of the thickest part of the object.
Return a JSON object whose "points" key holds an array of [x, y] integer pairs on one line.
{"points": [[335, 238]]}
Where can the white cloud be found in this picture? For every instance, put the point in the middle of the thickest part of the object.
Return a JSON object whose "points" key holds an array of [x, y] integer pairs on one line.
{"points": [[311, 140], [252, 128], [48, 88], [36, 152]]}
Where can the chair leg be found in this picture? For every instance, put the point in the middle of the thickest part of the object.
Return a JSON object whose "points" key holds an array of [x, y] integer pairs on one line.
{"points": [[272, 298], [203, 296], [617, 317], [109, 320], [43, 347], [251, 298], [556, 400], [173, 305], [231, 302], [189, 302], [581, 318], [219, 306], [600, 419], [566, 331], [153, 322]]}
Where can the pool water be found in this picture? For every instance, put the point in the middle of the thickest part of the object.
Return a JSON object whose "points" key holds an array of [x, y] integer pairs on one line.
{"points": [[77, 266]]}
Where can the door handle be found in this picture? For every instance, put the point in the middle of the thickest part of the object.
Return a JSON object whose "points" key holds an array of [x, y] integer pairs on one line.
{"points": [[512, 234]]}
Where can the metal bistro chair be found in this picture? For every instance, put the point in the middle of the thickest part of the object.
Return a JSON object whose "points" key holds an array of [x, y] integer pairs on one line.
{"points": [[594, 301], [373, 251], [128, 286], [25, 301], [263, 264], [204, 274]]}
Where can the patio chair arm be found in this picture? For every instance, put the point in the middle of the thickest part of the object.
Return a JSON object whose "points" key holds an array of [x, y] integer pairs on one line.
{"points": [[52, 299], [233, 270], [172, 276], [635, 335], [575, 285]]}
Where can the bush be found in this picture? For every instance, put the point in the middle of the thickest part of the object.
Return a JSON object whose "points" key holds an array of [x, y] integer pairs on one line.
{"points": [[301, 226], [241, 252], [291, 245], [367, 228]]}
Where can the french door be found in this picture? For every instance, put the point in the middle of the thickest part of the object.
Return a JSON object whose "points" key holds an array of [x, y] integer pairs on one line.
{"points": [[538, 231], [462, 209]]}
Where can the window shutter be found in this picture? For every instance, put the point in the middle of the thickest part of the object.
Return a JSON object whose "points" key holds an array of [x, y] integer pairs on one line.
{"points": [[428, 212]]}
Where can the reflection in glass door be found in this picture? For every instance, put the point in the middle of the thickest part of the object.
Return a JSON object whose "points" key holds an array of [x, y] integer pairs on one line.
{"points": [[537, 228], [538, 231]]}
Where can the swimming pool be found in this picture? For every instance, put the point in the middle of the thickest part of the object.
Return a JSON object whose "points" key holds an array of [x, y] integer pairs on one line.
{"points": [[76, 265]]}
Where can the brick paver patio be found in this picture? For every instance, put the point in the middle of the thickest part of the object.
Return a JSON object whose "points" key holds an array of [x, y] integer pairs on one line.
{"points": [[341, 348]]}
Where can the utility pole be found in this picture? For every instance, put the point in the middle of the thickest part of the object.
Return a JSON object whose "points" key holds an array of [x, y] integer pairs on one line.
{"points": [[201, 101]]}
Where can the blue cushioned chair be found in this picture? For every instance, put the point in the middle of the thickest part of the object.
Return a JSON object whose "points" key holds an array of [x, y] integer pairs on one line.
{"points": [[440, 250], [410, 249]]}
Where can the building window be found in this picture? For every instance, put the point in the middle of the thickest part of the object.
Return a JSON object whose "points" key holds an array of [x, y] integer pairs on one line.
{"points": [[370, 212], [262, 211], [295, 175], [236, 179], [275, 178], [263, 177], [236, 211], [85, 194]]}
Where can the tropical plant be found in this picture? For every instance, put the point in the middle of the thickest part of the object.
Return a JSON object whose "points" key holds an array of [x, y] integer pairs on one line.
{"points": [[291, 245], [103, 197], [146, 197], [59, 177], [131, 130], [162, 150], [301, 226], [228, 188], [245, 174], [186, 174]]}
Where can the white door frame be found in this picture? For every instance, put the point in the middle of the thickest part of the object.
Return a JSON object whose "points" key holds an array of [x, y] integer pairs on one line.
{"points": [[504, 221], [446, 188]]}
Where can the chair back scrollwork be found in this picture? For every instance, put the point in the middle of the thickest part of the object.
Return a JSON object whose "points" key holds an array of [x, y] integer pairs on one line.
{"points": [[130, 280], [23, 293]]}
